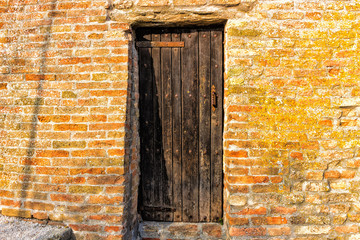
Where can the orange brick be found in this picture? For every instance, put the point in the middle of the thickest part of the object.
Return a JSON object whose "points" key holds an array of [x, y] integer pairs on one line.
{"points": [[250, 211], [106, 218], [116, 152], [3, 86], [52, 153], [52, 170], [151, 3], [67, 61], [115, 170], [283, 210], [247, 231], [240, 154], [67, 198], [70, 127], [117, 190], [347, 229], [101, 180], [11, 203], [279, 231], [67, 179], [16, 212], [332, 174], [247, 179], [84, 227], [108, 93], [40, 215], [54, 118], [105, 200], [89, 153], [112, 229], [79, 171], [39, 206]]}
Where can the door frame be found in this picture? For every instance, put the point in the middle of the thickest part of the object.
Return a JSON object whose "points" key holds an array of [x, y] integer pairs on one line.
{"points": [[136, 73]]}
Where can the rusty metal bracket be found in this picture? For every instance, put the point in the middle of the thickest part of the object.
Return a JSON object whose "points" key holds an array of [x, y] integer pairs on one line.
{"points": [[157, 209], [148, 44]]}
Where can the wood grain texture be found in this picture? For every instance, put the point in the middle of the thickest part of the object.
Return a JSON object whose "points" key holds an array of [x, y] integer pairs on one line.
{"points": [[181, 155], [204, 126], [177, 133], [146, 127], [158, 154], [190, 174], [216, 125], [166, 109]]}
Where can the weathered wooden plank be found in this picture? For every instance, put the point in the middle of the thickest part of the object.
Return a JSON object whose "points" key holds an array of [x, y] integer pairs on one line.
{"points": [[158, 154], [204, 126], [177, 128], [167, 177], [146, 128], [216, 125], [179, 181], [190, 177], [145, 44]]}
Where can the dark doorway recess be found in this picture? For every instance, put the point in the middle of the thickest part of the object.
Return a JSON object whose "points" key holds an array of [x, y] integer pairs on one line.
{"points": [[181, 123]]}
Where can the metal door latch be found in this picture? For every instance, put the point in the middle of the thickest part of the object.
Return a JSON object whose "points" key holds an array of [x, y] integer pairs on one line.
{"points": [[213, 98]]}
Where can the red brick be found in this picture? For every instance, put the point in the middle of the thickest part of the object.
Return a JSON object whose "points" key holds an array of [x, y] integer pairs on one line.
{"points": [[101, 180], [84, 227], [234, 232], [67, 198], [106, 218], [252, 211], [283, 210], [213, 230]]}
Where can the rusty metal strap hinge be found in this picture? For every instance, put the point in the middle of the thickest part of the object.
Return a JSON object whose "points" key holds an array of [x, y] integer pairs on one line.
{"points": [[148, 44], [157, 209]]}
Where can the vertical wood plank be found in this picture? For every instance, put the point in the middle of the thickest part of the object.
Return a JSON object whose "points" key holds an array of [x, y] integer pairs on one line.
{"points": [[190, 183], [177, 128], [158, 154], [181, 135], [204, 126], [167, 177], [146, 127], [216, 125]]}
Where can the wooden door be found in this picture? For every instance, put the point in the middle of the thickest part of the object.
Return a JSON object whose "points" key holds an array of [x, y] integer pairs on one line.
{"points": [[181, 124]]}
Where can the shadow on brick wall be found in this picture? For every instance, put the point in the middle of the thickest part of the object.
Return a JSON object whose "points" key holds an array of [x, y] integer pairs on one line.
{"points": [[28, 177]]}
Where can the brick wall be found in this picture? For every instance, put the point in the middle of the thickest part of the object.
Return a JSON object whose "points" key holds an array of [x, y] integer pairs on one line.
{"points": [[66, 129], [69, 115], [292, 121]]}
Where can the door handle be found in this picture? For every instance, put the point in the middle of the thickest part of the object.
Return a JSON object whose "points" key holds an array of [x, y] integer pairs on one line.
{"points": [[213, 98]]}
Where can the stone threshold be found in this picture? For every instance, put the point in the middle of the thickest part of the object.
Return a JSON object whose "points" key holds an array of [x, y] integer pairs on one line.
{"points": [[149, 230]]}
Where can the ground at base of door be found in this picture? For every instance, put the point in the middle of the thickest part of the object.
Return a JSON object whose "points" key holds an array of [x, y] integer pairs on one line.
{"points": [[21, 229]]}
